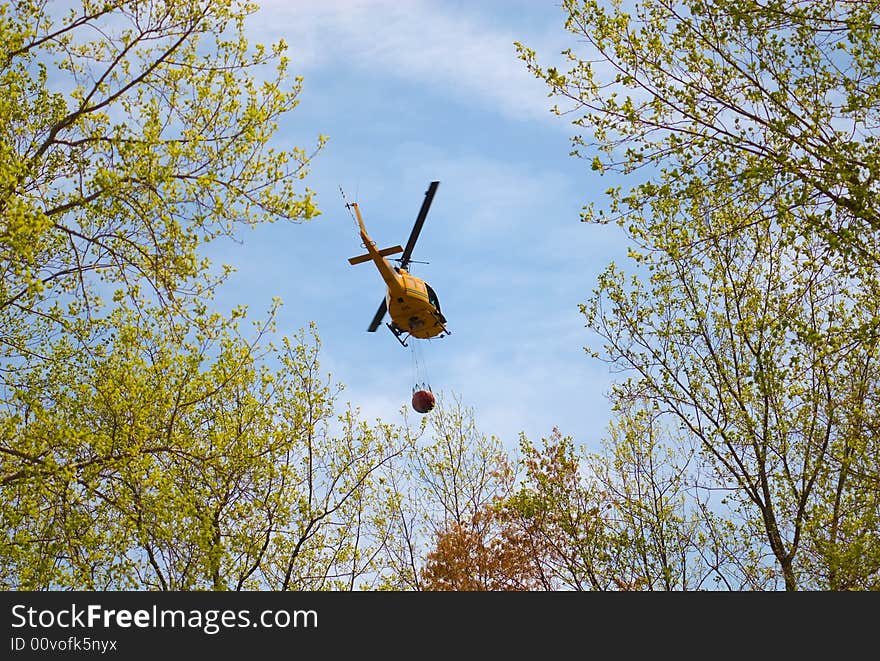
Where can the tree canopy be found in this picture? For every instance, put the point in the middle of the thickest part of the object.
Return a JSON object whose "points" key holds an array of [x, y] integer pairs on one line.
{"points": [[748, 320], [133, 133]]}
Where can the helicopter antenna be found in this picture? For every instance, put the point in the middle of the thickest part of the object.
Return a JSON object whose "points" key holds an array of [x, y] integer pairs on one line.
{"points": [[349, 205], [345, 199]]}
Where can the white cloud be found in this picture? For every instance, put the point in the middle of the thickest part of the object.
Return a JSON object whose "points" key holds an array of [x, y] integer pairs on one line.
{"points": [[461, 53]]}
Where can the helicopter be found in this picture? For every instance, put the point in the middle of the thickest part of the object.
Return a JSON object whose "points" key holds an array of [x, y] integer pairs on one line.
{"points": [[410, 301]]}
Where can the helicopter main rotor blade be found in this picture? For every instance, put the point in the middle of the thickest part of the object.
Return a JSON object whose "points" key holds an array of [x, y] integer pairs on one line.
{"points": [[380, 314], [417, 228]]}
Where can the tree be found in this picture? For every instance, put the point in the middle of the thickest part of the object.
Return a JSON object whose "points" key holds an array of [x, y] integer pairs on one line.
{"points": [[751, 319], [481, 556], [558, 515], [621, 520], [666, 528], [133, 133], [628, 518], [439, 493], [780, 99], [157, 464]]}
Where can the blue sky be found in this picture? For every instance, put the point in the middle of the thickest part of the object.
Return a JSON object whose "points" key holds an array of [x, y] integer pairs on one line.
{"points": [[410, 92]]}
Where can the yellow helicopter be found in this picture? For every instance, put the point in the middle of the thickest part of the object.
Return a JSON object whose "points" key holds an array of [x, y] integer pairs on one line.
{"points": [[409, 300]]}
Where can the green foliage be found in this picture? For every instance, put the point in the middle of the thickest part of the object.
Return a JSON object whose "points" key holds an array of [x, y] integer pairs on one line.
{"points": [[133, 133], [184, 465], [748, 133], [440, 489], [145, 442], [780, 99], [559, 512]]}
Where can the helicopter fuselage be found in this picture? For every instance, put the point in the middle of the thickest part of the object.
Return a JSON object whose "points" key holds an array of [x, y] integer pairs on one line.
{"points": [[411, 307]]}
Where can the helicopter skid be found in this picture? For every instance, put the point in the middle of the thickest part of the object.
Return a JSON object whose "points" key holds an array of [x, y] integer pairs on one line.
{"points": [[401, 336]]}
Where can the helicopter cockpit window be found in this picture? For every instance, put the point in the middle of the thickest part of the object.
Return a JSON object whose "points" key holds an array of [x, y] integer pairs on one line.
{"points": [[432, 297]]}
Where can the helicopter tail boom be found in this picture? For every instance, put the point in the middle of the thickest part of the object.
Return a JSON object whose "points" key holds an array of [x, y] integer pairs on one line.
{"points": [[375, 255]]}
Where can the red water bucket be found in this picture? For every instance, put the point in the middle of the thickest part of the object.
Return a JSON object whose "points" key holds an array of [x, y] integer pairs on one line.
{"points": [[423, 401]]}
